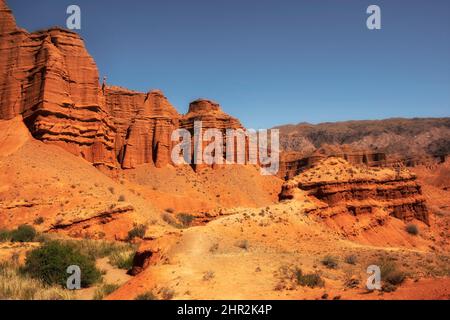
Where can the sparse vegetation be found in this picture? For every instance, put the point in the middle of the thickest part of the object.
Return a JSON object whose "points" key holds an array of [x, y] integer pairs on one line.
{"points": [[311, 280], [138, 231], [122, 260], [208, 275], [17, 286], [100, 249], [185, 219], [146, 296], [412, 229], [167, 293], [290, 276], [351, 259], [169, 219], [330, 262], [5, 235], [24, 233], [352, 281], [38, 221], [391, 275], [49, 264], [214, 248], [105, 290], [243, 244]]}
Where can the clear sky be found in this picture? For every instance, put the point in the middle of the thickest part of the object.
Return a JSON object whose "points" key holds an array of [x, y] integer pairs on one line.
{"points": [[270, 62]]}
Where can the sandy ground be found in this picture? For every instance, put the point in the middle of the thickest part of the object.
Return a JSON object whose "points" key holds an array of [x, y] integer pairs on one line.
{"points": [[240, 252]]}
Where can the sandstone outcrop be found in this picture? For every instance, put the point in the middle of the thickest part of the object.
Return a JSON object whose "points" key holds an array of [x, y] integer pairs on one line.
{"points": [[144, 125], [211, 116], [294, 163], [344, 188], [49, 79]]}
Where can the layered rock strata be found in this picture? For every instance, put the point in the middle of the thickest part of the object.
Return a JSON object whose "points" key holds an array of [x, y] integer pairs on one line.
{"points": [[49, 79], [347, 189], [293, 163]]}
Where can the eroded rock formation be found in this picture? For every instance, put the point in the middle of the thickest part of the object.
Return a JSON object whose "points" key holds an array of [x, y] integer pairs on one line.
{"points": [[344, 188], [144, 125], [49, 78], [294, 163]]}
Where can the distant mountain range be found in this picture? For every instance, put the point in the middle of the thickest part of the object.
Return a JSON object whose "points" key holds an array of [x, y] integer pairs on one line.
{"points": [[396, 137]]}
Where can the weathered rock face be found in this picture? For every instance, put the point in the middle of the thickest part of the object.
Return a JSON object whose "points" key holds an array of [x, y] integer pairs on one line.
{"points": [[347, 189], [292, 164], [13, 64], [70, 110], [49, 78], [211, 116], [144, 126]]}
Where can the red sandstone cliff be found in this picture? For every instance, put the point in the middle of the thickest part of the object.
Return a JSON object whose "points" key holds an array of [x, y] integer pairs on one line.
{"points": [[144, 125], [50, 79]]}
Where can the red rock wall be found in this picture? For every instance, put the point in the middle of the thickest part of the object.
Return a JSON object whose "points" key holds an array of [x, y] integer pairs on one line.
{"points": [[145, 123], [50, 79]]}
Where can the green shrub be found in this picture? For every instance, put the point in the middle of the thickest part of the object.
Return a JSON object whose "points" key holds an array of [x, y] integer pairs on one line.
{"points": [[330, 262], [137, 232], [49, 263], [5, 236], [24, 233], [311, 280], [412, 229], [122, 260]]}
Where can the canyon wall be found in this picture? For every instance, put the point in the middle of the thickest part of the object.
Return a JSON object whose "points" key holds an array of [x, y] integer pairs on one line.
{"points": [[49, 79]]}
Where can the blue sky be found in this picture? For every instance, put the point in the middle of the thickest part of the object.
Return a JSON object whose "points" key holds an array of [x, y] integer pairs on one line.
{"points": [[270, 62]]}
